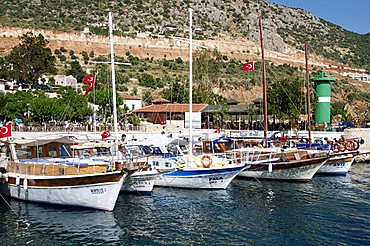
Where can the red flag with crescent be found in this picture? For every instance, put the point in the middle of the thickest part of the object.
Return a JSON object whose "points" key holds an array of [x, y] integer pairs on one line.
{"points": [[248, 66], [105, 134], [89, 80], [6, 131]]}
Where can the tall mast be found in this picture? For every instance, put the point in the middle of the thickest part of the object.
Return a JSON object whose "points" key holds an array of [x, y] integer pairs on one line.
{"points": [[264, 86], [308, 93], [113, 75], [190, 81]]}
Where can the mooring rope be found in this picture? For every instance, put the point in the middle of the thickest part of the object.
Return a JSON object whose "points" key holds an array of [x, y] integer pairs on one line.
{"points": [[11, 208]]}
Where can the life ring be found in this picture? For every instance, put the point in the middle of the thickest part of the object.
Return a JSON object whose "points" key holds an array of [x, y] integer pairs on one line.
{"points": [[358, 143], [338, 147], [351, 145], [206, 161], [238, 158], [342, 147]]}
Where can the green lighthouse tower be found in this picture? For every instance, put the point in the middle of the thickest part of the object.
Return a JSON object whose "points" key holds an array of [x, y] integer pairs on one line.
{"points": [[322, 87]]}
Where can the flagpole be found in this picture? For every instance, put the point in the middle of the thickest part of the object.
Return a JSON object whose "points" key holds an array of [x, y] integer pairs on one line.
{"points": [[190, 82], [94, 114]]}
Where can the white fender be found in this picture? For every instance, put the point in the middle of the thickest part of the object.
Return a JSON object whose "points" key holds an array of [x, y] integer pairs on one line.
{"points": [[270, 168], [25, 184]]}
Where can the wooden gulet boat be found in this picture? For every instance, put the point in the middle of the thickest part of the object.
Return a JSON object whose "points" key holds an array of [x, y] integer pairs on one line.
{"points": [[44, 171], [338, 163], [268, 163], [341, 155], [290, 166]]}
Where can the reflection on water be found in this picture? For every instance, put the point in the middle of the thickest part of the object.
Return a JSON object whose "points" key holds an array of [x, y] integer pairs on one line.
{"points": [[327, 210], [51, 224]]}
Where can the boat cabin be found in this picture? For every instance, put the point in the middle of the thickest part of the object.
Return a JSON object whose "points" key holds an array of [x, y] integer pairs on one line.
{"points": [[50, 157]]}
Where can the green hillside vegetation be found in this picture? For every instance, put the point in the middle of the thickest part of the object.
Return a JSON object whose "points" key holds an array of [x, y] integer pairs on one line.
{"points": [[231, 17], [337, 45], [164, 77]]}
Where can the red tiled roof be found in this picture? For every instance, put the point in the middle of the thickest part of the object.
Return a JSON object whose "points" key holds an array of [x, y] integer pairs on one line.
{"points": [[129, 97], [170, 108], [160, 100]]}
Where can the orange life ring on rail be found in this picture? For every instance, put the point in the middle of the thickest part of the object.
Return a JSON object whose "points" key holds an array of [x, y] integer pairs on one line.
{"points": [[206, 161], [338, 147], [351, 145]]}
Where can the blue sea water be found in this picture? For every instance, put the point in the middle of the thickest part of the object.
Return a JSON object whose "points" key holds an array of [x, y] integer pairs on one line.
{"points": [[325, 211]]}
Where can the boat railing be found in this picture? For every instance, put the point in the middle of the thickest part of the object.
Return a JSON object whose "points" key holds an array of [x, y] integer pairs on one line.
{"points": [[250, 156], [57, 166], [4, 162]]}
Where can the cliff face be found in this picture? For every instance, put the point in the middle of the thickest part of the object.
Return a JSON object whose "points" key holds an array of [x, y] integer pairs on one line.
{"points": [[219, 20], [161, 47], [166, 47]]}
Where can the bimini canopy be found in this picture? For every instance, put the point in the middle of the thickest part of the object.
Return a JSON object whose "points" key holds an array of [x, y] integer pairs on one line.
{"points": [[43, 141], [179, 142], [223, 139]]}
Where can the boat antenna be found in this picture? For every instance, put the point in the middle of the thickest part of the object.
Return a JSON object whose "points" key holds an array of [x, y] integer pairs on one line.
{"points": [[264, 85]]}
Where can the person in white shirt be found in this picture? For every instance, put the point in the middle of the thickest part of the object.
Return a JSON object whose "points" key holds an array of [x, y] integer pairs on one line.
{"points": [[122, 151]]}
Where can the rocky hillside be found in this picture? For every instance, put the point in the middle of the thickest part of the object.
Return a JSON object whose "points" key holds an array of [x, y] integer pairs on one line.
{"points": [[152, 36], [237, 19]]}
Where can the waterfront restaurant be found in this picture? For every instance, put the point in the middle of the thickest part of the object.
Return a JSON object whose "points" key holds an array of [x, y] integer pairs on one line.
{"points": [[231, 115], [162, 113]]}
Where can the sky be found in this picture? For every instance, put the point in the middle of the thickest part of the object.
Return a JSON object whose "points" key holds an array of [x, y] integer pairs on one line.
{"points": [[352, 15]]}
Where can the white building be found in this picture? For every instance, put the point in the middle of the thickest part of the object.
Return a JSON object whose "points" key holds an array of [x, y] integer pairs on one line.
{"points": [[2, 85], [63, 80], [358, 76], [132, 102]]}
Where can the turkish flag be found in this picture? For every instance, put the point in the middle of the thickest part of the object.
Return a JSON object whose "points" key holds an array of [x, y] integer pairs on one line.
{"points": [[105, 134], [6, 131], [89, 80], [248, 66]]}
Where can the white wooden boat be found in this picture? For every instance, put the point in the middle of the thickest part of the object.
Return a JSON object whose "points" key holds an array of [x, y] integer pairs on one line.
{"points": [[140, 178], [140, 181], [337, 165], [43, 170], [196, 173]]}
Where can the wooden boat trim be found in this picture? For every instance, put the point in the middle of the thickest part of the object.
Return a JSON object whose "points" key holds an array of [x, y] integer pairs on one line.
{"points": [[342, 159], [288, 165], [58, 181]]}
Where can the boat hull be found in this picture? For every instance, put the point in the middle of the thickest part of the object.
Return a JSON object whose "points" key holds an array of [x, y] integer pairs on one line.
{"points": [[97, 191], [140, 182], [200, 178], [337, 165], [302, 170]]}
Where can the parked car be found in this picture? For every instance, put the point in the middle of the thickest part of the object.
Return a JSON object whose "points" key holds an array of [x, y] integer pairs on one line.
{"points": [[168, 28], [41, 87], [198, 31], [346, 124]]}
